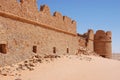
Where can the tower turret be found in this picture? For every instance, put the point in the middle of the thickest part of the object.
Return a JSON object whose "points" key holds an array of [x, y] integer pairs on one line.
{"points": [[102, 43]]}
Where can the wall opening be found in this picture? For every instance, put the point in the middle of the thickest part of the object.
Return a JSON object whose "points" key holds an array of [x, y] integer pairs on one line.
{"points": [[54, 49], [3, 48], [103, 56], [35, 49], [67, 50]]}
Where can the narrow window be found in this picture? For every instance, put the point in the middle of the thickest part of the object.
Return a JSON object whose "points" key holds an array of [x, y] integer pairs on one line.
{"points": [[35, 49], [67, 50], [54, 49], [3, 48]]}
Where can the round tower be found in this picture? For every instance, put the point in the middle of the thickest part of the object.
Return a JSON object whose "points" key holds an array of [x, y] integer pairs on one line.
{"points": [[102, 43]]}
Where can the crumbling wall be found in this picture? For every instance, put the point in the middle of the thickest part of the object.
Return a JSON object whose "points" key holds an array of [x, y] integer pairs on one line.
{"points": [[81, 41], [102, 43], [90, 40], [26, 31], [87, 39]]}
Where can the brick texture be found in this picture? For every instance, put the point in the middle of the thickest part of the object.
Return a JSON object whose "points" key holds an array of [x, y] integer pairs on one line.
{"points": [[25, 31]]}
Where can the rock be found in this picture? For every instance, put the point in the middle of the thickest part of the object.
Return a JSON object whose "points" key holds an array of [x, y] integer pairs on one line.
{"points": [[18, 79], [4, 74], [39, 60], [31, 65]]}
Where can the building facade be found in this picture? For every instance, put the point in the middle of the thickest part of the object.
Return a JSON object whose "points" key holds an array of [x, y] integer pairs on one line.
{"points": [[25, 31]]}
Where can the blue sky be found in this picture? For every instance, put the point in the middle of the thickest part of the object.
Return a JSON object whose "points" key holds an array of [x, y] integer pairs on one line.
{"points": [[91, 14]]}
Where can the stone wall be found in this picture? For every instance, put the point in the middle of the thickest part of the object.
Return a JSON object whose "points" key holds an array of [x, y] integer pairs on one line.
{"points": [[20, 38], [90, 40], [25, 31], [27, 9], [87, 39], [81, 40], [102, 43]]}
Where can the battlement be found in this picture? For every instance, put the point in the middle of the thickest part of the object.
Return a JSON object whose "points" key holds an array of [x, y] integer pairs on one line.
{"points": [[103, 36], [27, 31], [102, 43], [27, 9]]}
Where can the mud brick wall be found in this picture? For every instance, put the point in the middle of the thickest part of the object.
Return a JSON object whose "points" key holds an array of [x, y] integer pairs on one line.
{"points": [[26, 31], [102, 43]]}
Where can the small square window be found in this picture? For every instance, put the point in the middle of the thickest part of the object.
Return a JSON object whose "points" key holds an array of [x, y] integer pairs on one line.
{"points": [[54, 49], [3, 48], [67, 50], [35, 49]]}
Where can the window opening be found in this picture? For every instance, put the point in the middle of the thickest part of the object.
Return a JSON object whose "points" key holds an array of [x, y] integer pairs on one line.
{"points": [[54, 49], [67, 50], [35, 49], [3, 48]]}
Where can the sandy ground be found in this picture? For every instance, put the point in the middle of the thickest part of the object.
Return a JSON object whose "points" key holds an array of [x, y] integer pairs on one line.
{"points": [[116, 56], [71, 68]]}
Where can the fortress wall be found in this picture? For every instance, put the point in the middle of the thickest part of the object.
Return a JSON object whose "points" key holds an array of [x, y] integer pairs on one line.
{"points": [[109, 44], [87, 40], [82, 41], [20, 37], [27, 9], [25, 31], [90, 41], [102, 43]]}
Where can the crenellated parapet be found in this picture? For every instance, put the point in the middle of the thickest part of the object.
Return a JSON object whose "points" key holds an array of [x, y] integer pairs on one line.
{"points": [[27, 10], [102, 43], [103, 36]]}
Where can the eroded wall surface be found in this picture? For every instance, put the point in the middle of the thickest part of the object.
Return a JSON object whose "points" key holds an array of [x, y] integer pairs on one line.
{"points": [[25, 31], [102, 43], [23, 28]]}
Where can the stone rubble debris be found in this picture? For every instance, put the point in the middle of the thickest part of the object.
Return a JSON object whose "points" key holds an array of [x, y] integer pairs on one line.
{"points": [[30, 63]]}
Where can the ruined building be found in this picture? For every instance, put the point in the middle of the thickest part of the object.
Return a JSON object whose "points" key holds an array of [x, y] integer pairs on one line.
{"points": [[25, 31], [100, 42]]}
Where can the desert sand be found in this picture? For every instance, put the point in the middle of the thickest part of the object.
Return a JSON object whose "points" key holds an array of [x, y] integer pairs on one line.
{"points": [[116, 56], [70, 67]]}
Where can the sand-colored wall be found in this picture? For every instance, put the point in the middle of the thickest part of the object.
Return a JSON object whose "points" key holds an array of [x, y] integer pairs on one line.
{"points": [[81, 41], [28, 9], [90, 40], [102, 43], [87, 39], [21, 37], [22, 26]]}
